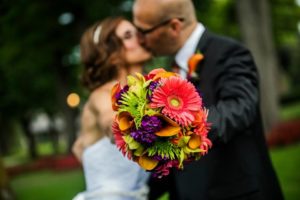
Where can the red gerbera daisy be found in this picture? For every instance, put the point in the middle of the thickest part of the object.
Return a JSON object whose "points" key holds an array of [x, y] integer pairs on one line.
{"points": [[178, 98], [121, 144]]}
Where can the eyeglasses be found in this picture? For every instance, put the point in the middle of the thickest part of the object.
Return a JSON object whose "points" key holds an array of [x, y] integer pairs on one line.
{"points": [[147, 31]]}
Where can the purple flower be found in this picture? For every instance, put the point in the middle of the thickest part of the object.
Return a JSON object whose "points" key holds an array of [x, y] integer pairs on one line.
{"points": [[152, 87], [159, 158], [143, 136], [146, 133], [151, 123], [119, 94]]}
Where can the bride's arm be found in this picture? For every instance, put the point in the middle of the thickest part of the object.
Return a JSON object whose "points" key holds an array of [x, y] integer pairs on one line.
{"points": [[102, 104], [88, 130], [78, 147]]}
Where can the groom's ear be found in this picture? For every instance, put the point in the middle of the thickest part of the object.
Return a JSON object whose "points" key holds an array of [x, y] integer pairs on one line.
{"points": [[176, 26]]}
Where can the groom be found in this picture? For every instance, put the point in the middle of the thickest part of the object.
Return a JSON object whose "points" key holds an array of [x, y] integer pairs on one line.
{"points": [[238, 165]]}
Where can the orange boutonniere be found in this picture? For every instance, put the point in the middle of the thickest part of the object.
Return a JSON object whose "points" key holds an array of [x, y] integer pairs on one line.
{"points": [[192, 64]]}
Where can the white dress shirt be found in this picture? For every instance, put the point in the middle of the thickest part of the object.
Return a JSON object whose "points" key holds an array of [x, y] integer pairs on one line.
{"points": [[188, 49]]}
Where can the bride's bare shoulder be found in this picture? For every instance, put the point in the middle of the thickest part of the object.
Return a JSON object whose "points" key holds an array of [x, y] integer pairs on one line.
{"points": [[100, 93], [101, 97]]}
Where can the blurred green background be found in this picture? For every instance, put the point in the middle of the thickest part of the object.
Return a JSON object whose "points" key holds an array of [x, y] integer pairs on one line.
{"points": [[40, 68]]}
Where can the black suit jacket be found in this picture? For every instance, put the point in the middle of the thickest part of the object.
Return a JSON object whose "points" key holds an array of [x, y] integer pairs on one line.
{"points": [[238, 165]]}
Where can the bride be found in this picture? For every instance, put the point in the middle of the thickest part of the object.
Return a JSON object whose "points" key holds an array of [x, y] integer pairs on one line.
{"points": [[109, 52]]}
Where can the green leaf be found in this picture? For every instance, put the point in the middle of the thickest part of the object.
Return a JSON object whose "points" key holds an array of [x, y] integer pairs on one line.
{"points": [[146, 84], [132, 144], [139, 151], [181, 158], [183, 141]]}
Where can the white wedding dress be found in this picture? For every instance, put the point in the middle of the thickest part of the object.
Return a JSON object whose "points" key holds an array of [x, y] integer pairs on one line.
{"points": [[111, 176]]}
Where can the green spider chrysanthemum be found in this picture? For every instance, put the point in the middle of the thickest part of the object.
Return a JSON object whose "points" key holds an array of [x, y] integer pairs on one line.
{"points": [[165, 149]]}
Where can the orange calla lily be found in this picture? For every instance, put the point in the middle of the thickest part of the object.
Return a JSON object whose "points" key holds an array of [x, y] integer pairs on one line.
{"points": [[193, 62], [147, 163], [172, 128], [194, 142], [189, 133], [167, 119], [115, 89], [168, 131], [156, 71], [125, 121], [164, 75]]}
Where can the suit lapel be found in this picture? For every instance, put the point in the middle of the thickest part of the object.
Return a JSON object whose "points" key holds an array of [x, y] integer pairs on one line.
{"points": [[203, 42], [202, 47]]}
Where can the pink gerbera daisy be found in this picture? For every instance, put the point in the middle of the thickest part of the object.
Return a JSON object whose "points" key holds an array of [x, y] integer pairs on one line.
{"points": [[178, 98]]}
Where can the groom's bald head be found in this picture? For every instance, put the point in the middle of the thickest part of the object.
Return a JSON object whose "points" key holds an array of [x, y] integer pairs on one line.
{"points": [[164, 25], [155, 11]]}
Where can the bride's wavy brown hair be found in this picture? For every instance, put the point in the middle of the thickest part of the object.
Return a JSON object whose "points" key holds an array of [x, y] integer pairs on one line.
{"points": [[102, 59]]}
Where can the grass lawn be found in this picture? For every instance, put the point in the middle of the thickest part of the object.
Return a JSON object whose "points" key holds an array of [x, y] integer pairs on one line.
{"points": [[49, 185], [286, 161], [291, 111]]}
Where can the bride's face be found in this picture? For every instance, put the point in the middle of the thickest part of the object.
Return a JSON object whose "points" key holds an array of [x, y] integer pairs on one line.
{"points": [[134, 52]]}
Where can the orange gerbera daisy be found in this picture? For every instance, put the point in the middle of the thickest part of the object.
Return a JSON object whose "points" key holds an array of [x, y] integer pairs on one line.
{"points": [[178, 98]]}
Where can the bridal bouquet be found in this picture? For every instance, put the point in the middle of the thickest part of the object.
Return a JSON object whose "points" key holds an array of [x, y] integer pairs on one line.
{"points": [[160, 122]]}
